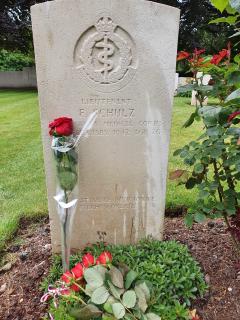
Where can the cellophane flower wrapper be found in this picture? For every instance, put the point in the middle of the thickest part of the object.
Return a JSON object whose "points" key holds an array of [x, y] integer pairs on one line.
{"points": [[66, 162]]}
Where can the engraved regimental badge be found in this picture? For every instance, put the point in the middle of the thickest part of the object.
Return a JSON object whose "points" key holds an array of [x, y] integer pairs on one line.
{"points": [[105, 54]]}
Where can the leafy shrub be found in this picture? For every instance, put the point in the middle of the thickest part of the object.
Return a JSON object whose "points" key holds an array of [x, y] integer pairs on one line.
{"points": [[14, 61], [175, 275], [214, 156], [184, 94]]}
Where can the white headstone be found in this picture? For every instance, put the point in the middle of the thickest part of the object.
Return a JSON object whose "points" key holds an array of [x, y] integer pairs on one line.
{"points": [[116, 56]]}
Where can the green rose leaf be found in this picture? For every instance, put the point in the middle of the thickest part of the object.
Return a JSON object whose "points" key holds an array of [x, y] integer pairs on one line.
{"points": [[129, 299], [145, 289], [220, 4], [107, 317], [229, 20], [142, 302], [123, 268], [188, 219], [152, 316], [191, 182], [89, 290], [118, 310], [108, 304], [198, 168], [199, 217], [230, 10], [116, 292], [101, 269], [93, 277], [234, 95], [210, 114], [130, 277], [100, 295], [108, 307], [190, 121], [86, 313], [234, 78], [116, 277]]}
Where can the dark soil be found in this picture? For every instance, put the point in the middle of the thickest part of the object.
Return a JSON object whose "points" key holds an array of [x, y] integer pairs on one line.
{"points": [[211, 245], [28, 261], [29, 257]]}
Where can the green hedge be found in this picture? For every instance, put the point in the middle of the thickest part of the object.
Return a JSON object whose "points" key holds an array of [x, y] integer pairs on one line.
{"points": [[14, 61]]}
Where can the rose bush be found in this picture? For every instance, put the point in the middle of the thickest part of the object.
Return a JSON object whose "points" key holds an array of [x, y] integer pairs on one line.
{"points": [[215, 156]]}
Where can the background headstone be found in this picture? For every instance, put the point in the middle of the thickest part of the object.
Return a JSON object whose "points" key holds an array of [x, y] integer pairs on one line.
{"points": [[176, 83], [183, 81], [194, 100], [116, 56], [204, 81]]}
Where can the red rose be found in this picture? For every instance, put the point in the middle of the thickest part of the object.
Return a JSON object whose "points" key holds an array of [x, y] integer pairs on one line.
{"points": [[77, 271], [68, 277], [224, 53], [198, 52], [65, 292], [232, 116], [182, 55], [104, 258], [61, 126], [88, 260], [217, 58]]}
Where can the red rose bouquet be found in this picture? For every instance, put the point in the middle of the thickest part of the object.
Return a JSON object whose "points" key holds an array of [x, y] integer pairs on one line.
{"points": [[64, 146], [99, 288]]}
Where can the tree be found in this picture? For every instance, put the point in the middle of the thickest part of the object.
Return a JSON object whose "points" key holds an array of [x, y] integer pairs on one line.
{"points": [[15, 24], [195, 30], [16, 34]]}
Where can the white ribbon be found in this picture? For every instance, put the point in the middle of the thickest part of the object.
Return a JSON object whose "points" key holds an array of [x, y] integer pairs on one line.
{"points": [[53, 293], [62, 204]]}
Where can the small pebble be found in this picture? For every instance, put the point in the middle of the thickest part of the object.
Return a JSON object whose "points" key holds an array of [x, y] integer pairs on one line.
{"points": [[23, 255], [207, 278], [219, 225], [3, 288], [14, 248], [47, 229], [211, 224], [48, 246], [230, 289]]}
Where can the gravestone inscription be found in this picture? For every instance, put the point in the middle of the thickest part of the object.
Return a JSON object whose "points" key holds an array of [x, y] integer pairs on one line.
{"points": [[117, 57]]}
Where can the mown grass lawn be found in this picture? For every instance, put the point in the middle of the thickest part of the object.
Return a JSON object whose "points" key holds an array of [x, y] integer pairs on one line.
{"points": [[22, 186]]}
